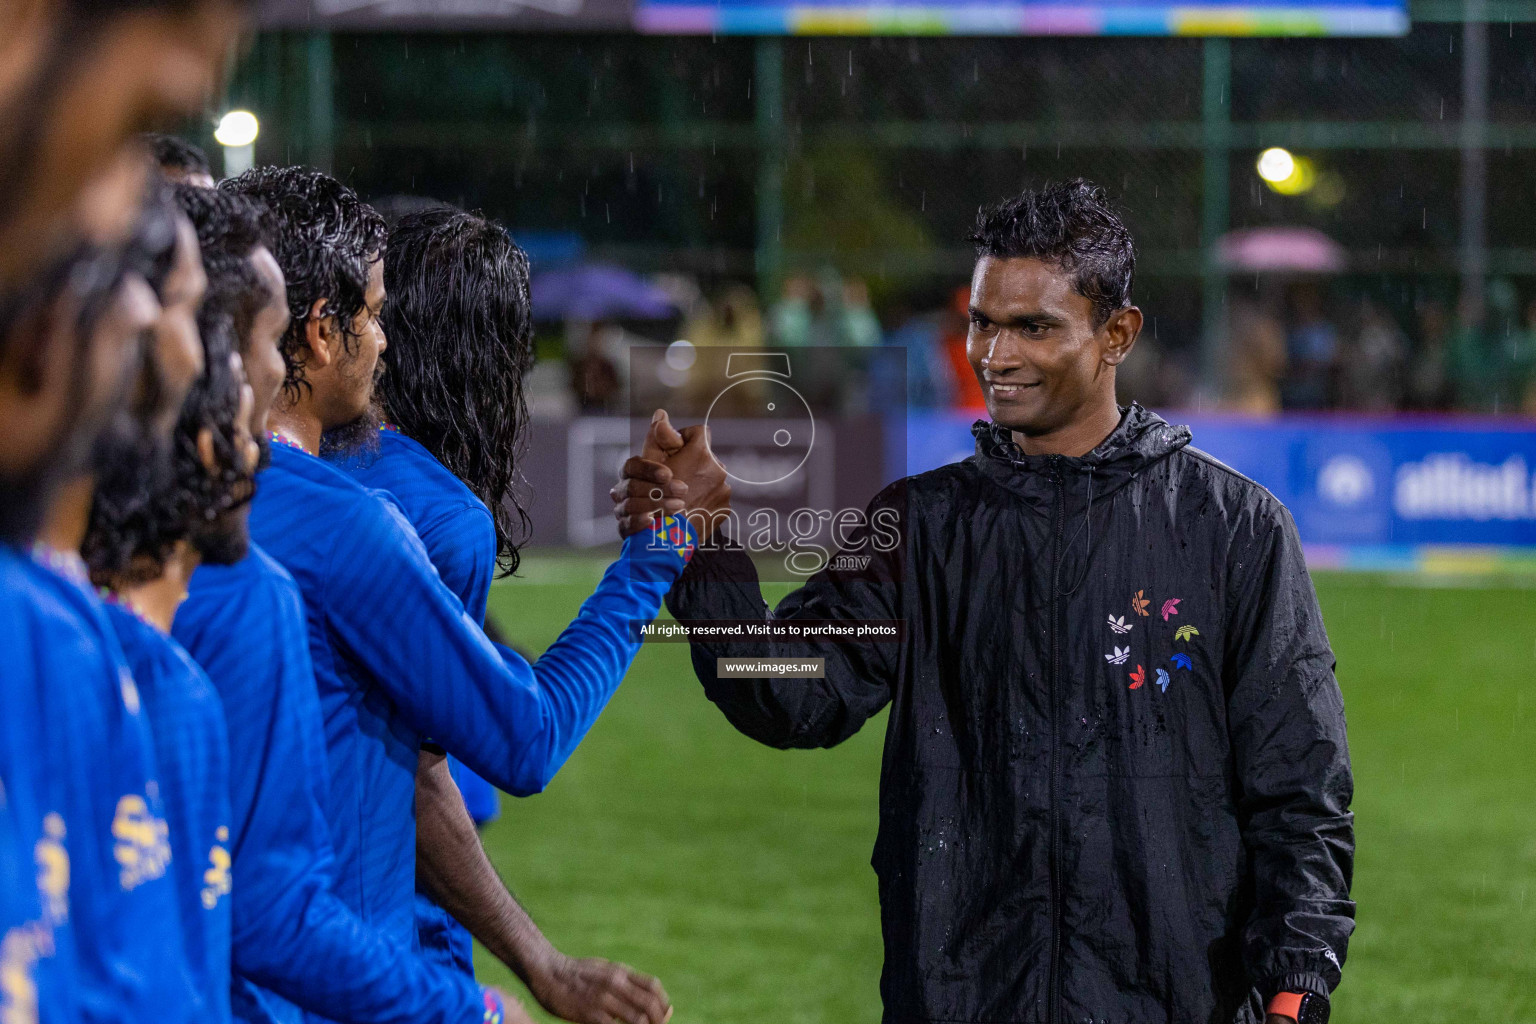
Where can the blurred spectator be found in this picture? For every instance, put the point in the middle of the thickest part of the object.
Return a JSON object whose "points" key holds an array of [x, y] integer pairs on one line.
{"points": [[598, 354], [1527, 345], [860, 326], [824, 312], [1429, 382], [1312, 343], [930, 378], [1256, 359], [733, 319], [1371, 372], [967, 394]]}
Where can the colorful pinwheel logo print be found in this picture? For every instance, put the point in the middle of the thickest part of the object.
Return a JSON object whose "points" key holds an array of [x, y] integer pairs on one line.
{"points": [[1119, 657], [1119, 625], [1185, 632], [1171, 607], [1138, 677], [1181, 661], [1139, 603], [1162, 679]]}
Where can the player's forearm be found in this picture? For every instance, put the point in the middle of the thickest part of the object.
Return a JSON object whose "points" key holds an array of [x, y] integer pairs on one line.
{"points": [[452, 868], [779, 712], [296, 938]]}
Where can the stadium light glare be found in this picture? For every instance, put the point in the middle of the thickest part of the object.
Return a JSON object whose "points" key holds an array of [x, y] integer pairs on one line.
{"points": [[1276, 164], [237, 133], [1286, 173], [237, 128]]}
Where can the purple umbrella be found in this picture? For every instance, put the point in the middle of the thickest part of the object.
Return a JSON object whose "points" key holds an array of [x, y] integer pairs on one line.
{"points": [[597, 291], [1297, 250]]}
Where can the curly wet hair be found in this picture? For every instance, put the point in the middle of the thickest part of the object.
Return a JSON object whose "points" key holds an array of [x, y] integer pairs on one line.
{"points": [[1072, 225], [145, 505], [229, 229], [327, 239], [460, 335]]}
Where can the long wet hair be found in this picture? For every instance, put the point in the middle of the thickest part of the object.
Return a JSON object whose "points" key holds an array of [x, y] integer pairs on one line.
{"points": [[327, 239], [460, 335], [229, 230], [152, 494]]}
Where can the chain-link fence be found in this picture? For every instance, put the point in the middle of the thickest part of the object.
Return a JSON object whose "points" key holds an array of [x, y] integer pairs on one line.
{"points": [[846, 172]]}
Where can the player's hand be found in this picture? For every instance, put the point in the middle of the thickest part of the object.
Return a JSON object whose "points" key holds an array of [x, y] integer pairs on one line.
{"points": [[709, 495], [648, 485], [592, 991]]}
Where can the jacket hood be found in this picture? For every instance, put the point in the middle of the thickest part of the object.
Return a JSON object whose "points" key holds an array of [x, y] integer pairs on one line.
{"points": [[1141, 439]]}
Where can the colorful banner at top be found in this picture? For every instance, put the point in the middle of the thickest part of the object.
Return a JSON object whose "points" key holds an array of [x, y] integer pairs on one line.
{"points": [[839, 17]]}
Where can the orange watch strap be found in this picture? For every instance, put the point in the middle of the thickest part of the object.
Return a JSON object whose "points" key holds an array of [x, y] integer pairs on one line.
{"points": [[1286, 1004]]}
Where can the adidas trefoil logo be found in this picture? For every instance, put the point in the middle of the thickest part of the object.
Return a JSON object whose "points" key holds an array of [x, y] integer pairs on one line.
{"points": [[1119, 625], [1119, 657]]}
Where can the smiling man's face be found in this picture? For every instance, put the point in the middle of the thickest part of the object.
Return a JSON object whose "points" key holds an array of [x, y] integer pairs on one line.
{"points": [[1037, 353]]}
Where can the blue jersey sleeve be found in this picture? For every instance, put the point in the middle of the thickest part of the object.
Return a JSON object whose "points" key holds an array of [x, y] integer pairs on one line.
{"points": [[457, 544], [511, 722], [291, 934]]}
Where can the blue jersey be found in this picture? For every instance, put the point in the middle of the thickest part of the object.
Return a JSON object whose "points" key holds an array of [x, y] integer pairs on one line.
{"points": [[94, 745], [460, 537], [293, 938], [397, 659], [192, 753], [37, 958]]}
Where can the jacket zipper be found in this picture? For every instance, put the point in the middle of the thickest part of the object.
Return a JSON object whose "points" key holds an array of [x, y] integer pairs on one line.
{"points": [[1054, 978]]}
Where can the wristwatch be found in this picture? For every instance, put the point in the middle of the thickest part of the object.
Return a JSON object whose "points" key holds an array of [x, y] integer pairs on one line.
{"points": [[1302, 1007]]}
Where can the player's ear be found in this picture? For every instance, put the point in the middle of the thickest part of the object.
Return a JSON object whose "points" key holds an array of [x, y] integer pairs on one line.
{"points": [[1120, 333], [319, 334]]}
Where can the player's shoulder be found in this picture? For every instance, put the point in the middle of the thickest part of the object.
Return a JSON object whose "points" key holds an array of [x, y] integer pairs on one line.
{"points": [[37, 612], [951, 478], [257, 588], [1233, 491], [319, 482], [152, 655], [426, 488]]}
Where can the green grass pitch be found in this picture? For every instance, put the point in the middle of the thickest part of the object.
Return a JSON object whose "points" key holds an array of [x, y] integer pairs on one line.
{"points": [[740, 875]]}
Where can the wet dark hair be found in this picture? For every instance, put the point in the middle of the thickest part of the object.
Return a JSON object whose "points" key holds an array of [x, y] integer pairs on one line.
{"points": [[327, 239], [177, 154], [229, 229], [152, 247], [460, 335], [1072, 225], [93, 274], [152, 494]]}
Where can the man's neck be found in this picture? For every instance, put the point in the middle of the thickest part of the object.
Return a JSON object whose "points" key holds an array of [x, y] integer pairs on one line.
{"points": [[1074, 439], [298, 423], [158, 599], [69, 516]]}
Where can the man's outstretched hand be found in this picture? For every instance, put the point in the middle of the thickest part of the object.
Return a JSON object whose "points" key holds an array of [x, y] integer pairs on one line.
{"points": [[676, 471], [593, 991]]}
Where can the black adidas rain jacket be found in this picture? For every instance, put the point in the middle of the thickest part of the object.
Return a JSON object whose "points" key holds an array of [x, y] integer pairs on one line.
{"points": [[1116, 784]]}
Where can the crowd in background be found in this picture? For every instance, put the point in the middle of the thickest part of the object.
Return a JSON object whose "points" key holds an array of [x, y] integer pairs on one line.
{"points": [[1304, 344]]}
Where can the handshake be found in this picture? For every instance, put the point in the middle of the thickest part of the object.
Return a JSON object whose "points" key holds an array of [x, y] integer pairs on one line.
{"points": [[675, 472]]}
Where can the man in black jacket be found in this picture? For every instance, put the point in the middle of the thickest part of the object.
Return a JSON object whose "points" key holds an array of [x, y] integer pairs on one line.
{"points": [[1116, 784]]}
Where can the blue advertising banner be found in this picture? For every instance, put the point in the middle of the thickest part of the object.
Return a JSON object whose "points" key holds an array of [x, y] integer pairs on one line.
{"points": [[1366, 492]]}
